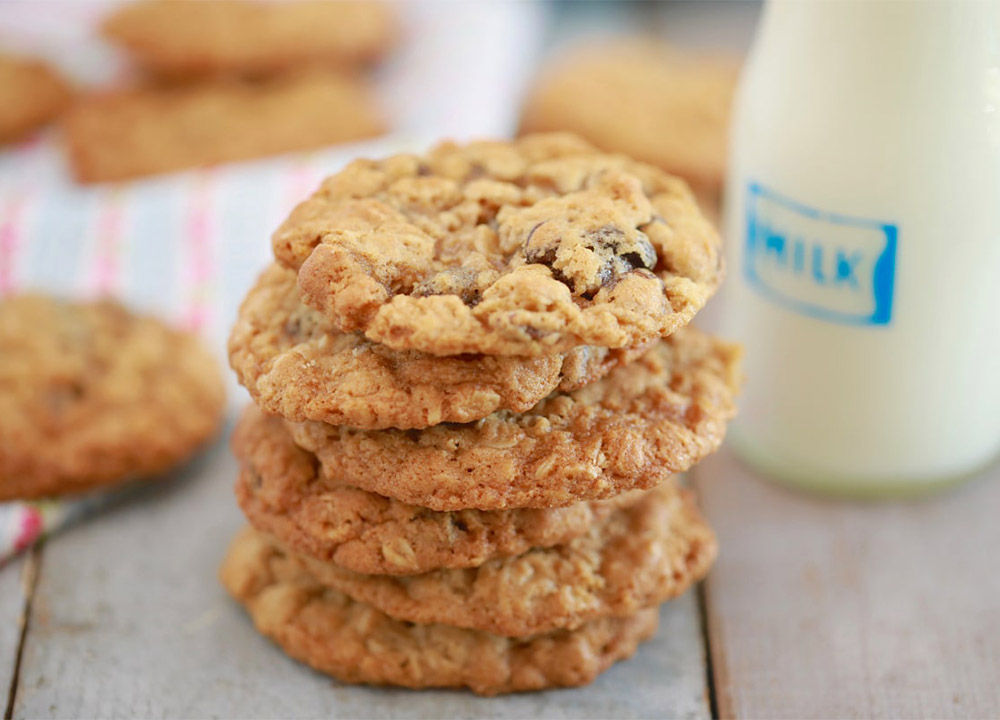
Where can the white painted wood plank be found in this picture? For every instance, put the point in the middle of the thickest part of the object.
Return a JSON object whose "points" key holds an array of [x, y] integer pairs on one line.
{"points": [[130, 621], [828, 609], [12, 600]]}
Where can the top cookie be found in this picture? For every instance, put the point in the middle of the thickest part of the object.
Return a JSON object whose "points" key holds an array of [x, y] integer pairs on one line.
{"points": [[183, 39], [91, 395], [31, 94], [678, 105], [528, 247]]}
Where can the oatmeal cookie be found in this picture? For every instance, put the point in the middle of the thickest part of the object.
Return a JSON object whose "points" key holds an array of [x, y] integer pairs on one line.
{"points": [[356, 643], [281, 493], [678, 116], [130, 133], [658, 415], [638, 557], [92, 395], [31, 95], [188, 39], [528, 247], [296, 364]]}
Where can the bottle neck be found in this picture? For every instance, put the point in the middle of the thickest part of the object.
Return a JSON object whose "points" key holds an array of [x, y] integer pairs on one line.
{"points": [[878, 38], [876, 54]]}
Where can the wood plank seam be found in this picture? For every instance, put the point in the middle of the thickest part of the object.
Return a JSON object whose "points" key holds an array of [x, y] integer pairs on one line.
{"points": [[710, 689], [29, 581], [724, 707], [824, 609]]}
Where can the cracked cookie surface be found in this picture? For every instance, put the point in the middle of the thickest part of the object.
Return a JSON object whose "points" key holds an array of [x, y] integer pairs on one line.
{"points": [[356, 643], [638, 557], [281, 493], [295, 363], [658, 415], [527, 247], [92, 395]]}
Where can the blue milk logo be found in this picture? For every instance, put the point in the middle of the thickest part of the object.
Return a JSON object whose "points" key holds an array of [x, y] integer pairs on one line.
{"points": [[824, 265]]}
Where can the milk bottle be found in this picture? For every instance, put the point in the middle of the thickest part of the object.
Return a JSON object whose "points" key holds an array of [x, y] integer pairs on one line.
{"points": [[863, 238]]}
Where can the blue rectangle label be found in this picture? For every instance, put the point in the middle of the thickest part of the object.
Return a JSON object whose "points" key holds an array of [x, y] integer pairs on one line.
{"points": [[822, 264]]}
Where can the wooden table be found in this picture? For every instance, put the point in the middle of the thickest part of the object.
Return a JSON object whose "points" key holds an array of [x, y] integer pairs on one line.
{"points": [[814, 609]]}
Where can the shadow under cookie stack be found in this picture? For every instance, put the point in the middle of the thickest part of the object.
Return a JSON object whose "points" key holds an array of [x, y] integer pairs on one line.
{"points": [[474, 386]]}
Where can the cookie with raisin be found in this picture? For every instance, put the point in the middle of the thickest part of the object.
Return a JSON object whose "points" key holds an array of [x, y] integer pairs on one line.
{"points": [[527, 247]]}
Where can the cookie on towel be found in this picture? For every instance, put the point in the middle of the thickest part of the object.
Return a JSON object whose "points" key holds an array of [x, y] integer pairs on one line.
{"points": [[125, 134], [31, 95], [93, 395], [188, 39]]}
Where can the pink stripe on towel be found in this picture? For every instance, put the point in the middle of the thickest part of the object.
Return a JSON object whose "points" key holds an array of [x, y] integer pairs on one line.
{"points": [[199, 266], [108, 245], [10, 242]]}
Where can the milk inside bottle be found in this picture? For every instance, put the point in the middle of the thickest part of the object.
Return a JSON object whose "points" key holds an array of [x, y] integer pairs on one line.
{"points": [[863, 238]]}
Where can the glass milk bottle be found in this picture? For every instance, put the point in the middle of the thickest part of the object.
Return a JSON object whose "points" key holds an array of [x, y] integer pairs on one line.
{"points": [[863, 238]]}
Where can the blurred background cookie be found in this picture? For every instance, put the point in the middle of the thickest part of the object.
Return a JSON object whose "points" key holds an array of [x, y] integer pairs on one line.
{"points": [[93, 395], [31, 95], [187, 39], [131, 133], [644, 99], [228, 81]]}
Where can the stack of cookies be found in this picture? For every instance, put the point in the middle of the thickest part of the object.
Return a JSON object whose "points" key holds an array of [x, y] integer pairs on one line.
{"points": [[474, 386]]}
